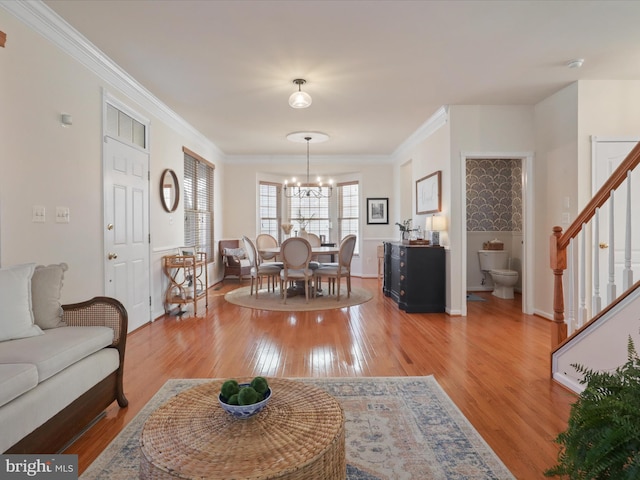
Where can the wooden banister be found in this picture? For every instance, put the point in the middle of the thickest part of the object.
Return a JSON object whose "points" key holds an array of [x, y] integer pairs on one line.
{"points": [[601, 196], [558, 265], [560, 241]]}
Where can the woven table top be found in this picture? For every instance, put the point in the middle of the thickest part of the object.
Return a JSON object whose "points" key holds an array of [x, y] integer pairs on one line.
{"points": [[299, 435]]}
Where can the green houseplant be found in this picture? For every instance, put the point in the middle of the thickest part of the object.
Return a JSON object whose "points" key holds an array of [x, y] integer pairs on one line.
{"points": [[602, 440], [405, 229]]}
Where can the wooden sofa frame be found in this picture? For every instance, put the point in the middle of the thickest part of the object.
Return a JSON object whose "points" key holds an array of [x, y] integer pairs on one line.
{"points": [[60, 430], [231, 264]]}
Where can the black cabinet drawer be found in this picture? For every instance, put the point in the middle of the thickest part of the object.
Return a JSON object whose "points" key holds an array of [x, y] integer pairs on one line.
{"points": [[415, 277]]}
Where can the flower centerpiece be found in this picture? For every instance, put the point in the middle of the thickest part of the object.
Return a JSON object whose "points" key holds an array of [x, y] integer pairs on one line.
{"points": [[303, 221], [405, 229], [286, 228]]}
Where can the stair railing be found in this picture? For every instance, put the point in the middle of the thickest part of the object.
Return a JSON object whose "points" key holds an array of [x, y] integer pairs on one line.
{"points": [[562, 254]]}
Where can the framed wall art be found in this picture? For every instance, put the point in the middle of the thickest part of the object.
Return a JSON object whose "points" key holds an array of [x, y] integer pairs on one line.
{"points": [[428, 193], [378, 211]]}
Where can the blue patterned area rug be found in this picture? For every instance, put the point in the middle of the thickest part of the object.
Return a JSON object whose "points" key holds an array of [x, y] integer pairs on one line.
{"points": [[396, 428]]}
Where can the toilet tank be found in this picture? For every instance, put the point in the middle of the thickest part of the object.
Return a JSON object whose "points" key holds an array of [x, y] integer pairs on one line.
{"points": [[493, 260]]}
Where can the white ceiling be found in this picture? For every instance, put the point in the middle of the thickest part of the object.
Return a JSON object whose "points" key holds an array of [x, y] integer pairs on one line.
{"points": [[377, 70]]}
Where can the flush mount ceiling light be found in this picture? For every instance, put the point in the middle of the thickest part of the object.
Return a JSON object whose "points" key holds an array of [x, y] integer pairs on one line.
{"points": [[299, 99], [575, 63], [294, 188]]}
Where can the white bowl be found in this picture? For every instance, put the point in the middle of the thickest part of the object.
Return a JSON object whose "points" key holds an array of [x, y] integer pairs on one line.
{"points": [[245, 411]]}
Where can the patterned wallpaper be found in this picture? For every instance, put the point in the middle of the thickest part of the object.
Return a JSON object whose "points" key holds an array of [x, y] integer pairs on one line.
{"points": [[494, 195]]}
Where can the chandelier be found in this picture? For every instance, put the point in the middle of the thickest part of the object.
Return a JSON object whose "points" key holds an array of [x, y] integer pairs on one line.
{"points": [[295, 188]]}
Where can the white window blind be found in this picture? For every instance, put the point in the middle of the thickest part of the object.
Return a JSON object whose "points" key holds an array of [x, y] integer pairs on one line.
{"points": [[198, 203], [270, 209], [348, 210]]}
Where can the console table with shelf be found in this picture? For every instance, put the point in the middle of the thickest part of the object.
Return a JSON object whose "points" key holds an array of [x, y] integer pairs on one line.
{"points": [[188, 279], [414, 276]]}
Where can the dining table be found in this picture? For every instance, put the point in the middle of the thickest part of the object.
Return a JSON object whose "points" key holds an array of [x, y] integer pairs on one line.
{"points": [[298, 289], [315, 251]]}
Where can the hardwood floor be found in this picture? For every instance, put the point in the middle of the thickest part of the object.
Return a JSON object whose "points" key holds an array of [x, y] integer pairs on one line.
{"points": [[493, 363]]}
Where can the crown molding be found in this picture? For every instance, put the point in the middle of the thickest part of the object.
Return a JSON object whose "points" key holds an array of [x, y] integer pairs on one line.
{"points": [[43, 20], [317, 159], [433, 123]]}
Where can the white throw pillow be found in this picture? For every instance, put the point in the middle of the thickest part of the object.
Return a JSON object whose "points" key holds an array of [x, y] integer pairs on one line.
{"points": [[16, 316], [235, 252], [46, 286]]}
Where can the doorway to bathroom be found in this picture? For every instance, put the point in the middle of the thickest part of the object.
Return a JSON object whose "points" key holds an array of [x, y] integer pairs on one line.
{"points": [[496, 213]]}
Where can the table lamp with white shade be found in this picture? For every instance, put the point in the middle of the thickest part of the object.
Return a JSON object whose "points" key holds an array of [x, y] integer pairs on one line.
{"points": [[436, 224]]}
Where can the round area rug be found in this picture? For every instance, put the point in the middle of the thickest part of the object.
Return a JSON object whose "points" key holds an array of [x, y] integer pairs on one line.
{"points": [[273, 301]]}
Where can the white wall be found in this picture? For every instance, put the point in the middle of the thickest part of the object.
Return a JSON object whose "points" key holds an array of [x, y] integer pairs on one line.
{"points": [[43, 163], [477, 130], [606, 108], [564, 124], [555, 177], [430, 155], [603, 346]]}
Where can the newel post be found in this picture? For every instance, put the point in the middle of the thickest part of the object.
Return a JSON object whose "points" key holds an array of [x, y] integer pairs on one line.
{"points": [[558, 258]]}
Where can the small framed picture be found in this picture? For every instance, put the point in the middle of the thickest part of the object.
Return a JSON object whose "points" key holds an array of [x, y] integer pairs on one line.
{"points": [[428, 196], [378, 211]]}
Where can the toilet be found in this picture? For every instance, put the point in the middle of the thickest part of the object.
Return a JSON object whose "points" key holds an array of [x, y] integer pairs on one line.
{"points": [[495, 263]]}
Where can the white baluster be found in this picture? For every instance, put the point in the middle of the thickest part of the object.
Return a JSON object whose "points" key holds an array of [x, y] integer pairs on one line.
{"points": [[596, 301], [582, 280], [627, 273], [611, 286], [569, 319]]}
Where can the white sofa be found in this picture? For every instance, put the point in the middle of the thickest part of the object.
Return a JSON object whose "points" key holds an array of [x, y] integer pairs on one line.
{"points": [[60, 372]]}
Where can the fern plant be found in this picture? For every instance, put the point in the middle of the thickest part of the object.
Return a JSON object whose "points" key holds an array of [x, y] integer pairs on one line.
{"points": [[602, 440]]}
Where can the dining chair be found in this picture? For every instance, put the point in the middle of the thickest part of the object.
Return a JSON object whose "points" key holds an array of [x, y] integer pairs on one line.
{"points": [[342, 268], [264, 240], [260, 270], [296, 254], [314, 240]]}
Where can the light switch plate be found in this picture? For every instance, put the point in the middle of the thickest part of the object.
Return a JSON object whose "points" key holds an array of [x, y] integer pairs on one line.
{"points": [[62, 215], [38, 214]]}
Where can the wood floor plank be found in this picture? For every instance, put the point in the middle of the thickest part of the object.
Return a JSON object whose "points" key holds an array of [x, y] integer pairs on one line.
{"points": [[493, 363]]}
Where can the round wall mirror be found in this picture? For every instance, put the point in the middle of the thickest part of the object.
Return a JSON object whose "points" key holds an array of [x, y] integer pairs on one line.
{"points": [[169, 190]]}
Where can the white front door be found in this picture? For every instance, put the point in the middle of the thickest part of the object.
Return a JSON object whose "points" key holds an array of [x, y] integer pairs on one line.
{"points": [[608, 156], [126, 229]]}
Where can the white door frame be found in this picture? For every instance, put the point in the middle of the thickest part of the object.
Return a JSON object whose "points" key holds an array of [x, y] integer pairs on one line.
{"points": [[107, 98], [527, 224]]}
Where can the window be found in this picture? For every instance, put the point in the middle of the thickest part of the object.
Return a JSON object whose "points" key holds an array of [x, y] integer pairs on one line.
{"points": [[198, 203], [314, 211], [348, 210], [270, 209], [125, 127], [342, 210]]}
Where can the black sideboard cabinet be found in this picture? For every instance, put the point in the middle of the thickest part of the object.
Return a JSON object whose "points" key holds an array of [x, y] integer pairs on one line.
{"points": [[414, 276]]}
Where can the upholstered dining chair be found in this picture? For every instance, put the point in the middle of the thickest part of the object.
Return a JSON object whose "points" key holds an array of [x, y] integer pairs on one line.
{"points": [[340, 269], [296, 254], [264, 240], [314, 240], [260, 270]]}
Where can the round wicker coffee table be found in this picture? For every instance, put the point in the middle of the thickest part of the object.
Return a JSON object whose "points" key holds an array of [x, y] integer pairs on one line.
{"points": [[299, 435]]}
